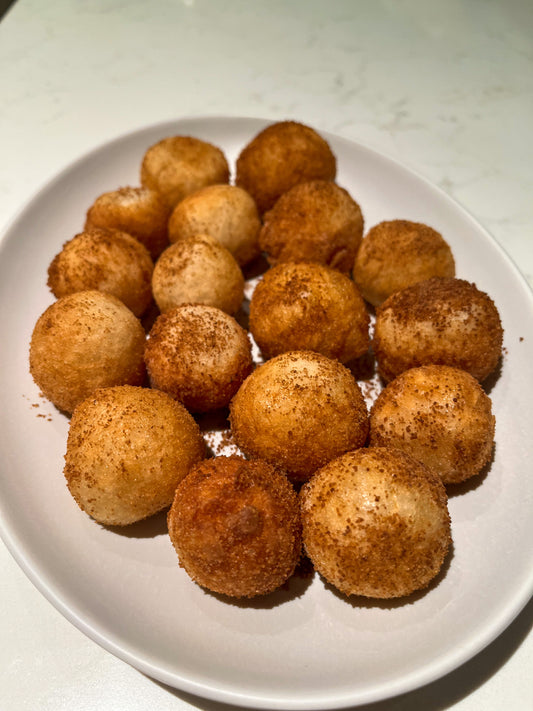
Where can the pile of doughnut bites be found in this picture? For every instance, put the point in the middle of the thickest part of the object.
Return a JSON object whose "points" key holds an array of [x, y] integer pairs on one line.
{"points": [[148, 335]]}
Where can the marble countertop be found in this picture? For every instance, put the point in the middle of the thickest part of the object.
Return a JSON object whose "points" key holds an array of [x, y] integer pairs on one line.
{"points": [[445, 88]]}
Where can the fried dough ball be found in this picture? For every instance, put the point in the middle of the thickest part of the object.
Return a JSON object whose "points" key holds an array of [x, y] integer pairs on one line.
{"points": [[84, 341], [298, 411], [441, 416], [397, 254], [178, 165], [127, 450], [235, 526], [199, 355], [307, 306], [441, 321], [199, 270], [139, 211], [376, 523], [316, 221], [105, 260], [281, 156], [225, 212]]}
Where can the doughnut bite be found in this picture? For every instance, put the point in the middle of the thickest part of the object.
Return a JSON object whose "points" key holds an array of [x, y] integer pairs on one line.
{"points": [[397, 254], [439, 415], [235, 526], [438, 321], [200, 270], [199, 355], [298, 411], [280, 156], [315, 221], [127, 450], [306, 306], [84, 341], [376, 523], [178, 165], [139, 211], [225, 212], [104, 260]]}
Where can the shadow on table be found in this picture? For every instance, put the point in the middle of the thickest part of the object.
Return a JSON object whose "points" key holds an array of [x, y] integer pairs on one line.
{"points": [[439, 695]]}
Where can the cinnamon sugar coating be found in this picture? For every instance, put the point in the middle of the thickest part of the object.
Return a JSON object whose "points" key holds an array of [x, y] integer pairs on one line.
{"points": [[84, 341], [235, 526], [198, 269], [441, 416], [441, 321], [398, 253], [281, 156], [106, 260], [307, 306], [376, 523], [139, 211], [176, 166], [314, 221], [298, 411], [199, 355], [127, 450]]}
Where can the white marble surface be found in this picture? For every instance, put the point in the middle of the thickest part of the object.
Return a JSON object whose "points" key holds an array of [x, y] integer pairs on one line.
{"points": [[446, 88]]}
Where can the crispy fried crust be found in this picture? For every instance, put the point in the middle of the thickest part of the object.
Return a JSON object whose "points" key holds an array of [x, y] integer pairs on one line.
{"points": [[85, 341], [440, 321], [309, 306], [178, 165], [139, 211], [198, 269], [127, 450], [235, 526], [199, 355], [441, 416], [225, 212], [105, 260], [315, 221], [397, 254], [376, 523], [281, 156], [298, 411]]}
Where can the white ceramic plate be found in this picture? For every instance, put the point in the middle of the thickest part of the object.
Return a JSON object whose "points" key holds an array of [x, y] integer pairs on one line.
{"points": [[304, 647]]}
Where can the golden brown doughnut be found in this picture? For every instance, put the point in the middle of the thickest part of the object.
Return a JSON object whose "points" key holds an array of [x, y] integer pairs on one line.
{"points": [[199, 355], [439, 415], [376, 523], [199, 270], [313, 222], [280, 156], [84, 341], [139, 211], [308, 306], [178, 165], [105, 260], [441, 321], [298, 411], [235, 526], [127, 450], [399, 253], [225, 212]]}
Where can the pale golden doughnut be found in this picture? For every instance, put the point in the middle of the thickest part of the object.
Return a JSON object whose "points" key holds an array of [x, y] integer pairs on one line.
{"points": [[106, 260], [84, 341], [298, 411], [226, 212], [280, 156], [376, 523], [306, 306], [127, 450], [198, 269]]}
